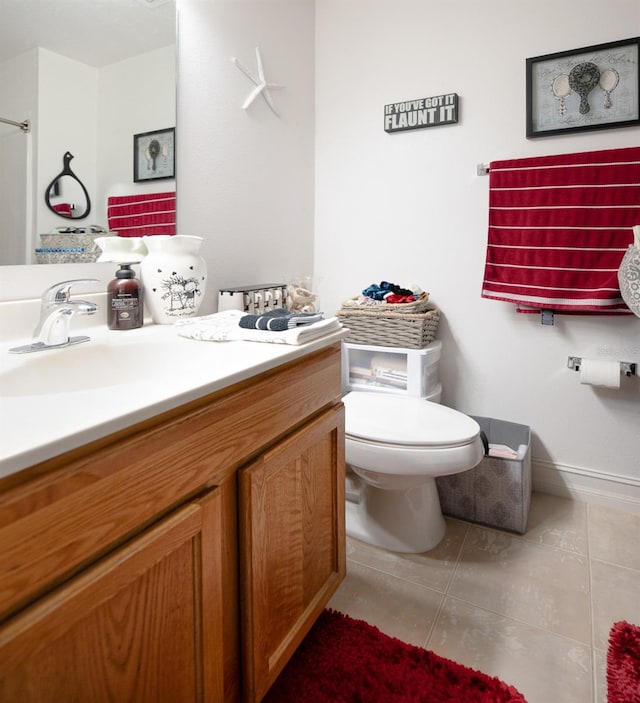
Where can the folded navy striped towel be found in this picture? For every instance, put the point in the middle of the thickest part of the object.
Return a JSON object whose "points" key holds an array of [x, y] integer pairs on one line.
{"points": [[279, 320]]}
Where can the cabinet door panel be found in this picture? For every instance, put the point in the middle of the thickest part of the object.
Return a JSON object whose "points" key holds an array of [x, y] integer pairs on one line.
{"points": [[129, 628], [292, 544]]}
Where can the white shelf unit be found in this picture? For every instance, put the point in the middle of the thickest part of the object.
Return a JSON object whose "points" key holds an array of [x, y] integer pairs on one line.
{"points": [[412, 372]]}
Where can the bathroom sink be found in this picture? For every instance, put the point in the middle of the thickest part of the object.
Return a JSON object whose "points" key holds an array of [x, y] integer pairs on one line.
{"points": [[152, 361], [89, 366], [76, 394]]}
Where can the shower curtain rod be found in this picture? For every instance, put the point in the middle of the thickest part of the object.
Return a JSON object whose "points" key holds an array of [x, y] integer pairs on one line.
{"points": [[24, 126]]}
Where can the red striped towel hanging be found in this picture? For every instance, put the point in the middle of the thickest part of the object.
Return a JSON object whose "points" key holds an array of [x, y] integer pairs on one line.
{"points": [[143, 214], [558, 229]]}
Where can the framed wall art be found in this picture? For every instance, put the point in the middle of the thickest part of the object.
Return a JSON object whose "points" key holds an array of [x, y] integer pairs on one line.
{"points": [[596, 87], [154, 155]]}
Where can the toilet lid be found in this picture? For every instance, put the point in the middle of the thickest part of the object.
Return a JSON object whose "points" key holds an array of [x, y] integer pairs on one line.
{"points": [[393, 419]]}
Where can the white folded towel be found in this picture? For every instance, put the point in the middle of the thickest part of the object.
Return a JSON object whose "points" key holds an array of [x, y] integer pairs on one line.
{"points": [[224, 327]]}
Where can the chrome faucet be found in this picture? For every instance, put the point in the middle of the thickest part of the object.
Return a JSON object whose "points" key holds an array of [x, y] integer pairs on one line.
{"points": [[56, 310]]}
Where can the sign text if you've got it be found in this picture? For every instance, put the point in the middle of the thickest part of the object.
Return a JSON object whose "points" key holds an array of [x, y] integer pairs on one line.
{"points": [[423, 112]]}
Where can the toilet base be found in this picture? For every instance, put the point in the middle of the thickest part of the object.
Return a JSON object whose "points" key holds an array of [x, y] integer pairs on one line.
{"points": [[408, 521]]}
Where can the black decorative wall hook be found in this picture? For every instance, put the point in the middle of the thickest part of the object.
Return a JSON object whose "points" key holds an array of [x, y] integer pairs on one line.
{"points": [[69, 205]]}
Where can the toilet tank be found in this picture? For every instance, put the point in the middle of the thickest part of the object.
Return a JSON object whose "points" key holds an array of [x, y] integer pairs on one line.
{"points": [[412, 372]]}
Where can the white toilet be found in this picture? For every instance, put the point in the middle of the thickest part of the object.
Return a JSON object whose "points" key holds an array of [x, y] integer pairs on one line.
{"points": [[396, 445]]}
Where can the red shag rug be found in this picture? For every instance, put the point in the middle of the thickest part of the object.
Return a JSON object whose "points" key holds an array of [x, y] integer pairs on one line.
{"points": [[623, 664], [343, 660]]}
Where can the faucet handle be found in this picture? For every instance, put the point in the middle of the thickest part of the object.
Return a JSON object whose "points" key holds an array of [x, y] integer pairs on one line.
{"points": [[60, 292]]}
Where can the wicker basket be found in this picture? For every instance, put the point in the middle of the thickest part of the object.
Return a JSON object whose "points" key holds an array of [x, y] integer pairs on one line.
{"points": [[420, 305], [390, 329]]}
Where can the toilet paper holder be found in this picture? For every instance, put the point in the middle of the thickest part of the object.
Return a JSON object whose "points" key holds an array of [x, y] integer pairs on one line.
{"points": [[628, 368]]}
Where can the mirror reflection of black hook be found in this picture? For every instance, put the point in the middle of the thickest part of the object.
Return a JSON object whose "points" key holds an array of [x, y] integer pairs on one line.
{"points": [[67, 209]]}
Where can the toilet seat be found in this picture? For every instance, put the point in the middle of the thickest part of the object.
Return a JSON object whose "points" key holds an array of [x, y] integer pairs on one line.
{"points": [[408, 422]]}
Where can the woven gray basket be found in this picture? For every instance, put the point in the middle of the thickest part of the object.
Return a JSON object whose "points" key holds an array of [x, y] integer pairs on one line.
{"points": [[422, 304], [390, 329]]}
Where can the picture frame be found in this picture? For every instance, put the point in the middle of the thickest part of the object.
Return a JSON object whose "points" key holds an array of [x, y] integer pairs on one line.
{"points": [[154, 155], [595, 87]]}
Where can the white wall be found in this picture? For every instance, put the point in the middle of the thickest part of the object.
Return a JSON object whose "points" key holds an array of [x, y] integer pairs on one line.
{"points": [[246, 176], [67, 109], [409, 207], [134, 96], [18, 102]]}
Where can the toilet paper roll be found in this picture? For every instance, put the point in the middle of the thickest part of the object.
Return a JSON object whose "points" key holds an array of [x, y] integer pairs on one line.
{"points": [[596, 372]]}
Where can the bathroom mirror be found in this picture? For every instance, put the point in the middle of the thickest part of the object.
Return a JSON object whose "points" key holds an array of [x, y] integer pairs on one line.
{"points": [[93, 41]]}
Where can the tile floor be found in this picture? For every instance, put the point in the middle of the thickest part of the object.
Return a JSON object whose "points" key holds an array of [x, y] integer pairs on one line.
{"points": [[533, 609]]}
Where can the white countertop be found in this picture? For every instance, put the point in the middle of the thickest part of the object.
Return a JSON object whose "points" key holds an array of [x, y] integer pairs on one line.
{"points": [[117, 379]]}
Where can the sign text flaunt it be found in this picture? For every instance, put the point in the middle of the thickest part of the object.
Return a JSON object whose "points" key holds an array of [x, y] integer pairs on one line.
{"points": [[424, 112]]}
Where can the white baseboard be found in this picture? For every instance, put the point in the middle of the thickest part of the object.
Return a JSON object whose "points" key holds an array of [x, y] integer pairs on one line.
{"points": [[586, 485]]}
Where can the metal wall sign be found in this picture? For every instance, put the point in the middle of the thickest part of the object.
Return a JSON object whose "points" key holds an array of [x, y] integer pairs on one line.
{"points": [[423, 112]]}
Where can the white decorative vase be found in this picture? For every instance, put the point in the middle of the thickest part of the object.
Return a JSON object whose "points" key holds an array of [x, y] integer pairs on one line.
{"points": [[629, 274], [174, 276]]}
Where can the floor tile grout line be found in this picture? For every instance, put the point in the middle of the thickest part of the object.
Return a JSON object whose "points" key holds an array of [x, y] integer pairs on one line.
{"points": [[586, 645], [448, 585], [523, 538], [434, 622], [463, 544], [534, 544], [615, 564], [594, 681], [404, 579]]}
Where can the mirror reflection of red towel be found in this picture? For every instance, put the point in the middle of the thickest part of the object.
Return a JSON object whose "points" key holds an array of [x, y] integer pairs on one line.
{"points": [[143, 214], [64, 209], [558, 229]]}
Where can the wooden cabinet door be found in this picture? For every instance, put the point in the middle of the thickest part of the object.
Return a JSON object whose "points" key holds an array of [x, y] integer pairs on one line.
{"points": [[142, 625], [292, 544]]}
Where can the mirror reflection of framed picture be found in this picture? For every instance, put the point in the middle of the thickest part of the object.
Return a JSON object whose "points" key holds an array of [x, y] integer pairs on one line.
{"points": [[154, 155], [596, 87]]}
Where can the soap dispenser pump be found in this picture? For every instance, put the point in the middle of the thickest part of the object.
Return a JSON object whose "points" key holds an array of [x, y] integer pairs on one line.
{"points": [[125, 300]]}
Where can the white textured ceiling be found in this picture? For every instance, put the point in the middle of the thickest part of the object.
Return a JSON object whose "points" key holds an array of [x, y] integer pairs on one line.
{"points": [[95, 32]]}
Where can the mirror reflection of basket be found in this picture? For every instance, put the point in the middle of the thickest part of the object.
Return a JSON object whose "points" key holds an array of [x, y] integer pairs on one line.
{"points": [[407, 325], [68, 248]]}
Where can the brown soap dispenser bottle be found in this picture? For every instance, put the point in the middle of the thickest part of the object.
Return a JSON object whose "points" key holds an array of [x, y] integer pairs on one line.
{"points": [[125, 300]]}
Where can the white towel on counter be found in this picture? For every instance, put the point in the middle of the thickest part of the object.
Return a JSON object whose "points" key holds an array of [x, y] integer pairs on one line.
{"points": [[224, 327]]}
